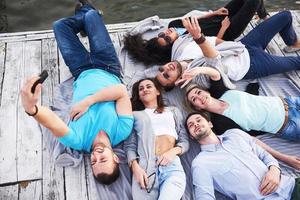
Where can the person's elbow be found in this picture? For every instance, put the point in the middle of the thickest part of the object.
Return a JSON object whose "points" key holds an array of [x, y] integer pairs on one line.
{"points": [[123, 90]]}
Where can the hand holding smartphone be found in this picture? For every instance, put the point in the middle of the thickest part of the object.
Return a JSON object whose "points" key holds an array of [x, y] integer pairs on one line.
{"points": [[42, 78]]}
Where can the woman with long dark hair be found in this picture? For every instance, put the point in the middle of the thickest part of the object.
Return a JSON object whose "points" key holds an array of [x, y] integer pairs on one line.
{"points": [[226, 23], [159, 137]]}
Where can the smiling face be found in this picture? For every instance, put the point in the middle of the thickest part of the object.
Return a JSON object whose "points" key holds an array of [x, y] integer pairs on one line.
{"points": [[167, 37], [198, 127], [199, 98], [169, 73], [148, 92], [103, 159]]}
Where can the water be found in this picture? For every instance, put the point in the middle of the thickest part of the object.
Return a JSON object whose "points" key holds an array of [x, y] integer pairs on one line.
{"points": [[31, 15]]}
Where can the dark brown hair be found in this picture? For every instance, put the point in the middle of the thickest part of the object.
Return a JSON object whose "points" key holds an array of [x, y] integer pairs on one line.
{"points": [[148, 52], [170, 87], [204, 114], [137, 104], [108, 179]]}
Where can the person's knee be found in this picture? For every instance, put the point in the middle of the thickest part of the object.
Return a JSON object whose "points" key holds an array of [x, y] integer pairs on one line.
{"points": [[91, 13], [58, 24], [287, 15]]}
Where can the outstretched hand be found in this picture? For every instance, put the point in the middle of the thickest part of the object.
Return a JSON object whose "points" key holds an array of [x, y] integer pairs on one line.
{"points": [[293, 161], [225, 23], [192, 26], [187, 76], [80, 108], [29, 100]]}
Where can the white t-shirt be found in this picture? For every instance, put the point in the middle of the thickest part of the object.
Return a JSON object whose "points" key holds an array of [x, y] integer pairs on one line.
{"points": [[162, 123], [193, 51], [238, 65]]}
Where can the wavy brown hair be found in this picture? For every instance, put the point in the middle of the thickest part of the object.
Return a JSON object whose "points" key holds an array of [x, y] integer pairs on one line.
{"points": [[149, 52], [137, 104]]}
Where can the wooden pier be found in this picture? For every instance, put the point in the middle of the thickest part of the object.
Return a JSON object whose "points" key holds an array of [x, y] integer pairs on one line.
{"points": [[27, 171]]}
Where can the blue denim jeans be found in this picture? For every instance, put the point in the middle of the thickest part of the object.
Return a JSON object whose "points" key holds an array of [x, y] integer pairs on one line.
{"points": [[291, 131], [102, 54], [171, 180], [264, 64]]}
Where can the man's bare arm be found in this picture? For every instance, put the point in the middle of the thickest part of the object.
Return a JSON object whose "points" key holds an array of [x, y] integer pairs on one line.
{"points": [[44, 116]]}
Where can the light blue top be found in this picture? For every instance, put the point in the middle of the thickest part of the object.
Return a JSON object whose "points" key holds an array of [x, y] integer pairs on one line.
{"points": [[180, 31], [236, 167], [101, 116], [253, 112]]}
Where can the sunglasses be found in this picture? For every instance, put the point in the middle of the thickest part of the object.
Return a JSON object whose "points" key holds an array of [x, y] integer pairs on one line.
{"points": [[165, 75], [168, 39], [151, 182]]}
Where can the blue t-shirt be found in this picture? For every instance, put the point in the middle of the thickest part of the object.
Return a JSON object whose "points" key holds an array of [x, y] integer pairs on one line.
{"points": [[101, 116]]}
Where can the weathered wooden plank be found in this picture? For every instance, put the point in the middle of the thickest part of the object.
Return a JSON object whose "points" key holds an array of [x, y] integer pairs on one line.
{"points": [[64, 72], [49, 63], [9, 192], [91, 186], [30, 190], [24, 33], [2, 63], [53, 177], [115, 40], [27, 37], [75, 179], [8, 113], [29, 139]]}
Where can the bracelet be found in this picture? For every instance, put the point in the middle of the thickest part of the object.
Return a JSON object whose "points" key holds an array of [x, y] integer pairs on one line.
{"points": [[201, 39], [36, 111]]}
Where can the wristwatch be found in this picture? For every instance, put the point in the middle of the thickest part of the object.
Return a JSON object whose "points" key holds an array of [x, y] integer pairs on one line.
{"points": [[201, 39]]}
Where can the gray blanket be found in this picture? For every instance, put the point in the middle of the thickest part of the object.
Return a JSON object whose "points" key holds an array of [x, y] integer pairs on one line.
{"points": [[283, 85]]}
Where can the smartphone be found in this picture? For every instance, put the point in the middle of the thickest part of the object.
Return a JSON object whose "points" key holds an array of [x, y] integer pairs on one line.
{"points": [[42, 78]]}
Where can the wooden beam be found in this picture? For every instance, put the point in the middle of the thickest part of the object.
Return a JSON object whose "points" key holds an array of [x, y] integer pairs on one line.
{"points": [[53, 177], [29, 138], [8, 112]]}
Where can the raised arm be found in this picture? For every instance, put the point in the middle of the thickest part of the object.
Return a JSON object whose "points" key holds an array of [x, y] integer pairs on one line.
{"points": [[224, 27], [190, 74], [192, 26], [43, 115], [116, 93]]}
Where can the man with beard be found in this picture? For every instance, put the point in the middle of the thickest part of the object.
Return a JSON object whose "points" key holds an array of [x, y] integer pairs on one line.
{"points": [[101, 114], [246, 59], [235, 165]]}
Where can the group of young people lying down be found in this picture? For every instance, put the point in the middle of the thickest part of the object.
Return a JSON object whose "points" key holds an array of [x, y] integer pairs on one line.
{"points": [[155, 135]]}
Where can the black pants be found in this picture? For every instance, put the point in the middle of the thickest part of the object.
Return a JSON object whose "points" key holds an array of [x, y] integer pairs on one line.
{"points": [[240, 14]]}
